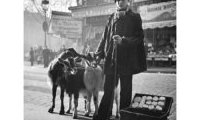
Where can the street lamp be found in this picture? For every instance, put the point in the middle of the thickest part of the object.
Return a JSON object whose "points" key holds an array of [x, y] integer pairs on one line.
{"points": [[45, 6]]}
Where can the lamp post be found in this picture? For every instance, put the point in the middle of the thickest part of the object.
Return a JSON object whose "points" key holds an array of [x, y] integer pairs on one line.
{"points": [[45, 6]]}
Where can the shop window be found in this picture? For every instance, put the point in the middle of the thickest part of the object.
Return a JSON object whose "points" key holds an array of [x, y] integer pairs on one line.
{"points": [[161, 40], [160, 46]]}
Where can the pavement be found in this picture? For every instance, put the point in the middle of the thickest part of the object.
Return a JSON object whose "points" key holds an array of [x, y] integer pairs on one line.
{"points": [[170, 70], [37, 94]]}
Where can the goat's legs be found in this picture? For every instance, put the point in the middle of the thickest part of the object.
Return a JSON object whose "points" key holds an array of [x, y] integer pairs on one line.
{"points": [[76, 95], [85, 101], [62, 108], [95, 99], [54, 88], [70, 103], [88, 103]]}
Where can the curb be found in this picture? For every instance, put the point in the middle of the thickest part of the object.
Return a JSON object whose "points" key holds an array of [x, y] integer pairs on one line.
{"points": [[171, 71]]}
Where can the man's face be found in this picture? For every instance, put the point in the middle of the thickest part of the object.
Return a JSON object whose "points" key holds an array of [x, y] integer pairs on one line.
{"points": [[122, 3]]}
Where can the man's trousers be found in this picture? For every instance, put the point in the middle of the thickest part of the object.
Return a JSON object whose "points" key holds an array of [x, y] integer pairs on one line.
{"points": [[125, 95]]}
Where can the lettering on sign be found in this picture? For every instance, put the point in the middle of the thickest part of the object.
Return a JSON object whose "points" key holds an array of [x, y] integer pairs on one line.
{"points": [[158, 12], [95, 11], [66, 25]]}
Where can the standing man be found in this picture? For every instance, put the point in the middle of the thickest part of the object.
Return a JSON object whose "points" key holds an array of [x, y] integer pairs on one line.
{"points": [[31, 56], [125, 27]]}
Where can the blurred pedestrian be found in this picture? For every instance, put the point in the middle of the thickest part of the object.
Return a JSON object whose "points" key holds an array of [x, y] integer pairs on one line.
{"points": [[125, 27], [31, 53], [88, 48], [84, 49]]}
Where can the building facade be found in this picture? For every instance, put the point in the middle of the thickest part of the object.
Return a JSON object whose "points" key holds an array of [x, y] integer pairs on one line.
{"points": [[159, 24]]}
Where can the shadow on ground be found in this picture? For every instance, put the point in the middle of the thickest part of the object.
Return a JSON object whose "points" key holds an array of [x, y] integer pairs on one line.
{"points": [[80, 117]]}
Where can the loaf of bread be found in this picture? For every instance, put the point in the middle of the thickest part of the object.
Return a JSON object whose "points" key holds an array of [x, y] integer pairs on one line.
{"points": [[149, 98], [158, 108], [135, 105], [137, 99], [154, 103], [151, 107], [161, 103], [155, 98], [162, 98], [148, 102], [145, 106]]}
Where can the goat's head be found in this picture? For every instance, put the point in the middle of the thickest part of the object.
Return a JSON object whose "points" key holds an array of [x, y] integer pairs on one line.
{"points": [[70, 52], [90, 60], [69, 66]]}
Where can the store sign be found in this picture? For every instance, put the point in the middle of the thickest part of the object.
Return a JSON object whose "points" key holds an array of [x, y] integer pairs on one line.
{"points": [[139, 0], [65, 26], [95, 11], [158, 12]]}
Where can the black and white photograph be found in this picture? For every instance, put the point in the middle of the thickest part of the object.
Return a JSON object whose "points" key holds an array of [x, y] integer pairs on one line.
{"points": [[100, 60]]}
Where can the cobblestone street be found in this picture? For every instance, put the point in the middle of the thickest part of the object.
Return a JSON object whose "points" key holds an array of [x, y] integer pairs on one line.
{"points": [[37, 93]]}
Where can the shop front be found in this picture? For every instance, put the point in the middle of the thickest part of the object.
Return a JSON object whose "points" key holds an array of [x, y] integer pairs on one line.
{"points": [[94, 29], [94, 21], [159, 24]]}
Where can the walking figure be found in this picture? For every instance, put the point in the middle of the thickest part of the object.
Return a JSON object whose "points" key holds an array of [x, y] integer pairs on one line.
{"points": [[31, 56]]}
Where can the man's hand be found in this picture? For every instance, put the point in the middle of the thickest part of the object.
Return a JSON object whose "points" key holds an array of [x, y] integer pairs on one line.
{"points": [[97, 59], [117, 39]]}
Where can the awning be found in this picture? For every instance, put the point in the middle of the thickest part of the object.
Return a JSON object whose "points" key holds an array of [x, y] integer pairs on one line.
{"points": [[160, 24]]}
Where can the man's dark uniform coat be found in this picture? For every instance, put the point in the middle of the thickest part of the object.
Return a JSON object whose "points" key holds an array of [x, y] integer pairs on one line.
{"points": [[131, 56]]}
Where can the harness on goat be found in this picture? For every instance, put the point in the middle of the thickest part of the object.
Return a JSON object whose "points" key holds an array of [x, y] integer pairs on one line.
{"points": [[87, 60]]}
